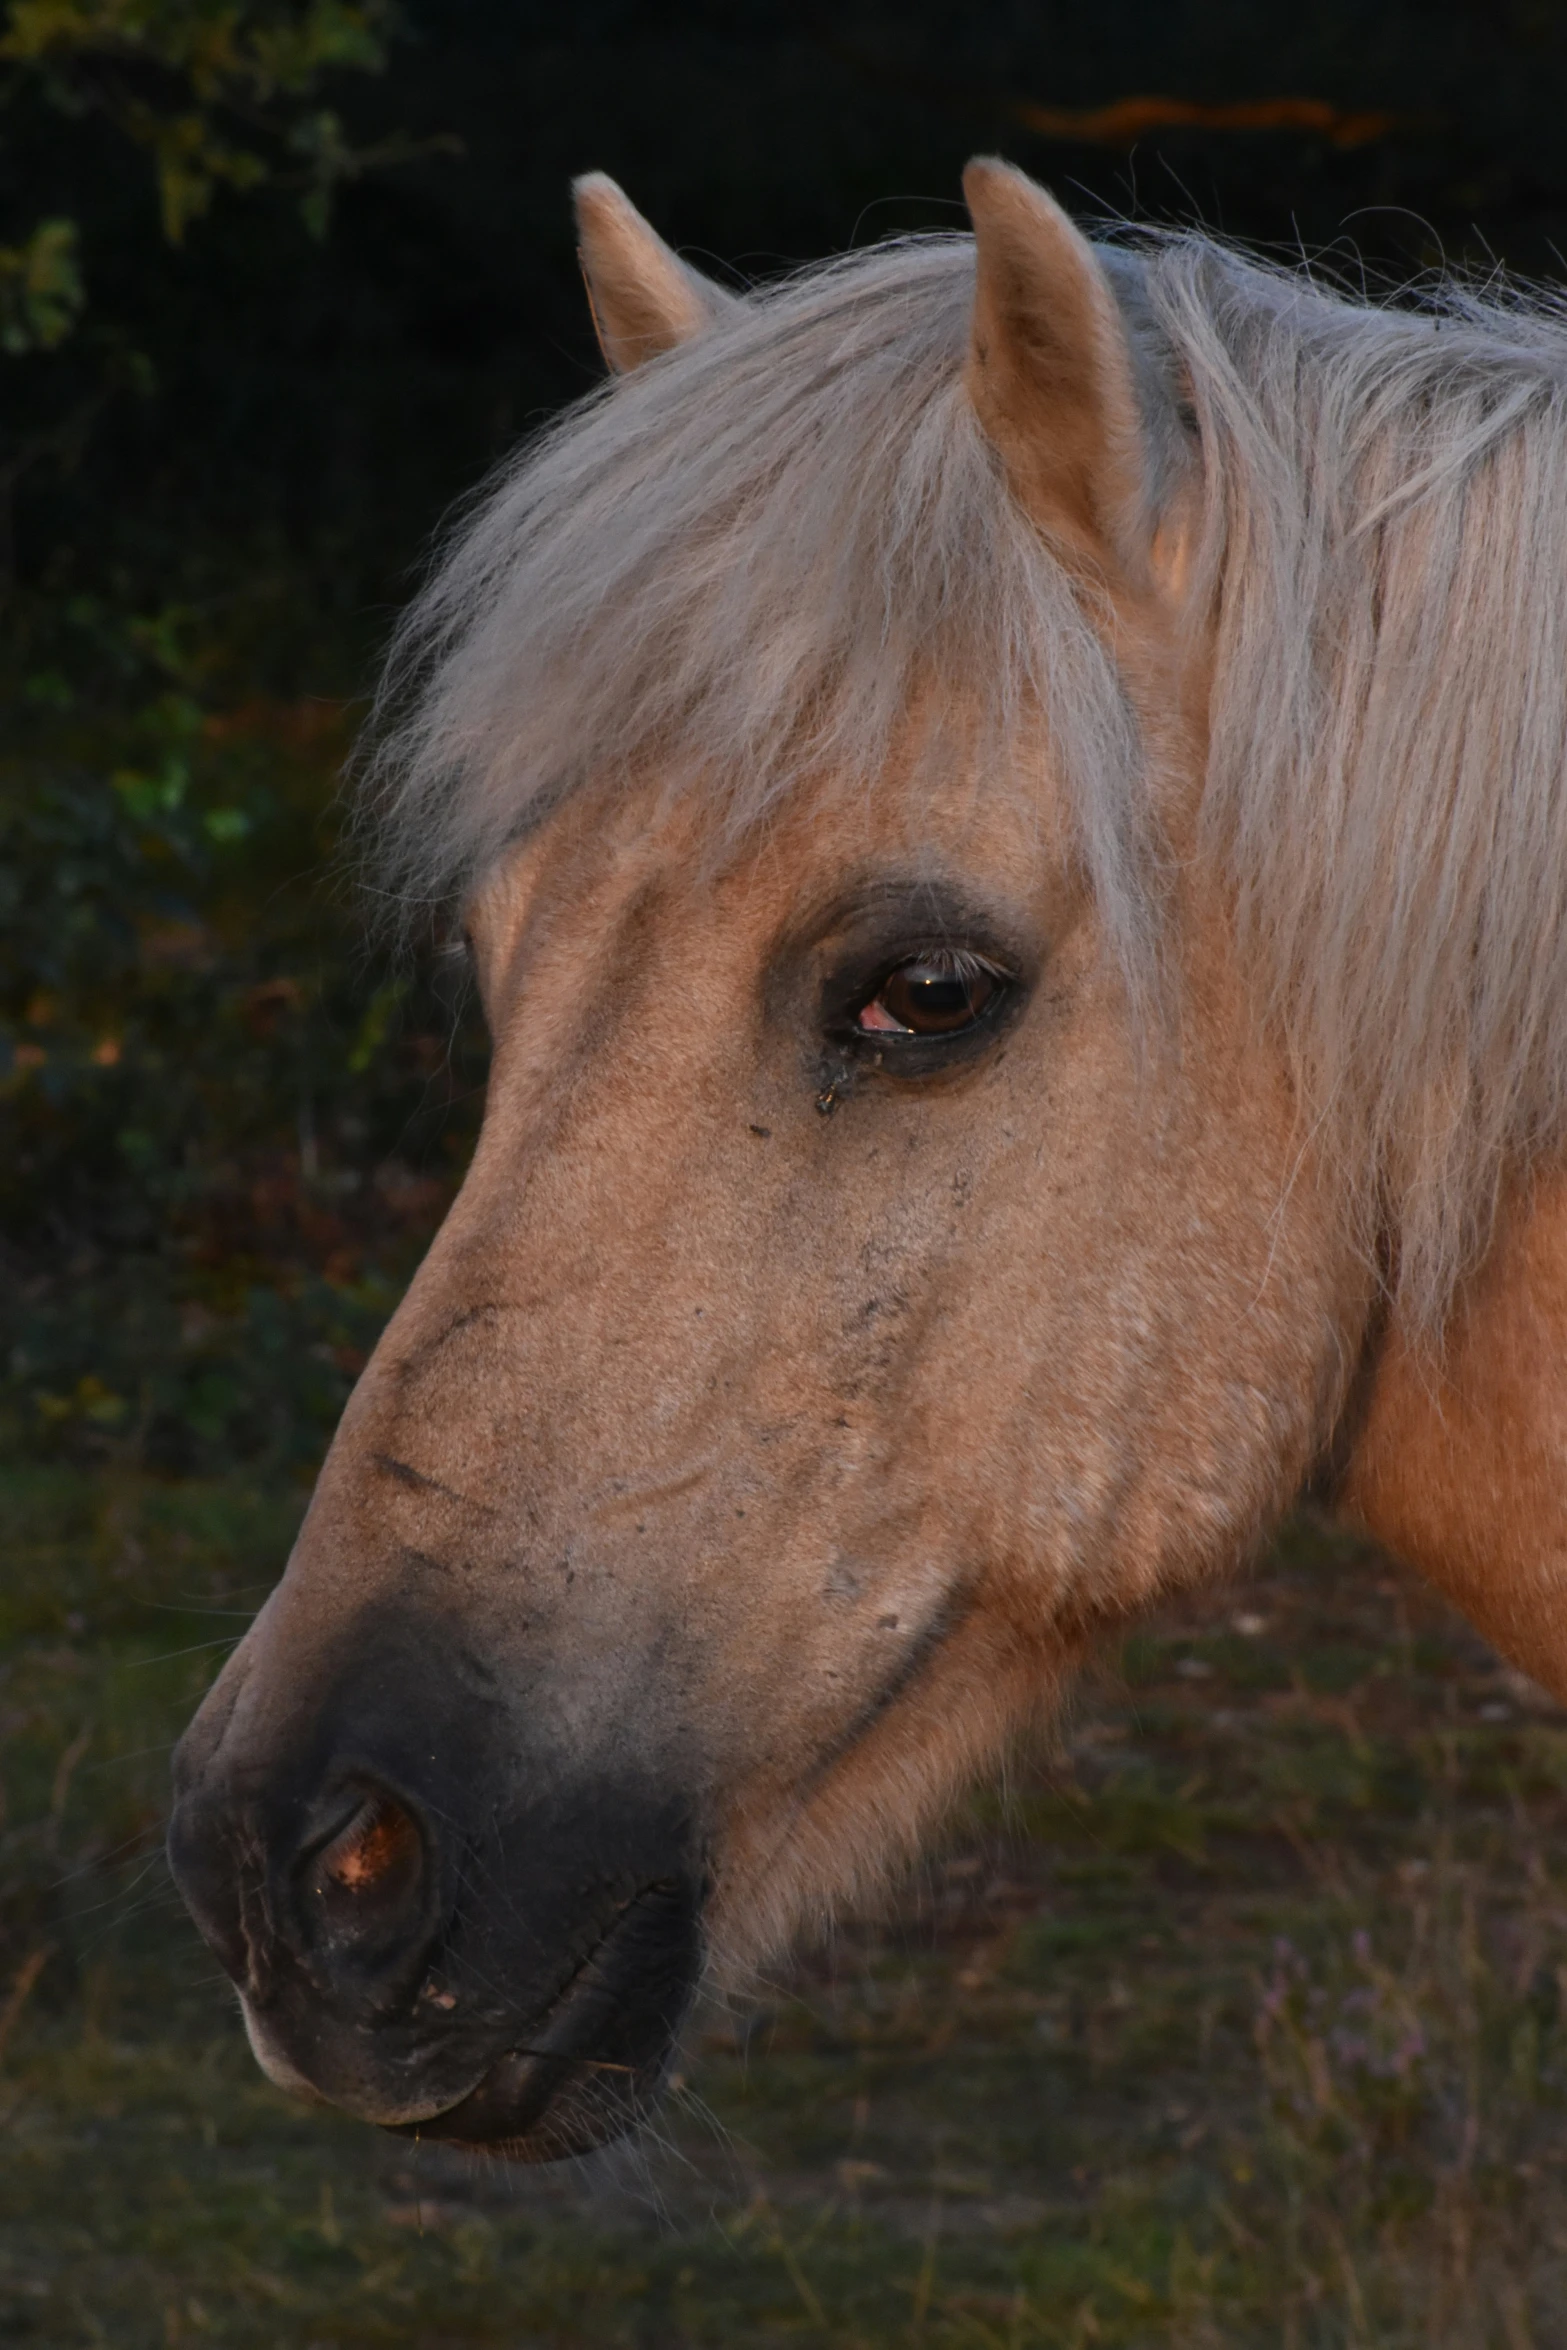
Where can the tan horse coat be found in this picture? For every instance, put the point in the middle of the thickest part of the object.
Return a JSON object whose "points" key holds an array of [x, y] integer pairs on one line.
{"points": [[1459, 1464]]}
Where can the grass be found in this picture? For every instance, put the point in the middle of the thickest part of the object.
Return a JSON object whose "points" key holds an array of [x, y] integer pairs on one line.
{"points": [[1240, 2020]]}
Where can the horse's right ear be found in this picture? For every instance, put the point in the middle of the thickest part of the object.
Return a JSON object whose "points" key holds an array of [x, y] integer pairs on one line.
{"points": [[643, 297], [1050, 369]]}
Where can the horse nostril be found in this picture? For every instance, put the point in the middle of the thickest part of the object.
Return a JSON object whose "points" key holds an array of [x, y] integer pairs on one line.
{"points": [[369, 1872], [378, 1839]]}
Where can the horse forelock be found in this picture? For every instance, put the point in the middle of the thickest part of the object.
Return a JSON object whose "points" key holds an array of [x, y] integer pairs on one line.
{"points": [[739, 566]]}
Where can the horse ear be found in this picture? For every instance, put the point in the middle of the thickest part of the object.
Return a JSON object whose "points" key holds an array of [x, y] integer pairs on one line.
{"points": [[1050, 369], [643, 297]]}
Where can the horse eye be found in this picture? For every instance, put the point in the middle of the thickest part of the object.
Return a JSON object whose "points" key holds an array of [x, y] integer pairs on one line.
{"points": [[937, 994]]}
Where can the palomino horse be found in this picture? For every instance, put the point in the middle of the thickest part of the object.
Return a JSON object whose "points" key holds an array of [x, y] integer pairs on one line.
{"points": [[1008, 801]]}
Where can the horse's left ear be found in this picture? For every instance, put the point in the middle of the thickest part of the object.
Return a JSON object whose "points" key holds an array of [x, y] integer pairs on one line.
{"points": [[643, 297], [1050, 371]]}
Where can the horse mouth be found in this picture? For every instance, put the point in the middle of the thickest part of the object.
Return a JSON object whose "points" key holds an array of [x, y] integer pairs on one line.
{"points": [[594, 2062]]}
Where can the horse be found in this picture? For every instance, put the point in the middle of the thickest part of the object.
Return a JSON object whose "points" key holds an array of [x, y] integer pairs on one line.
{"points": [[1007, 798]]}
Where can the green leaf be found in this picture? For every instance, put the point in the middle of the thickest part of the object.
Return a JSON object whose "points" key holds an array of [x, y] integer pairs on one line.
{"points": [[225, 824], [41, 290], [149, 796]]}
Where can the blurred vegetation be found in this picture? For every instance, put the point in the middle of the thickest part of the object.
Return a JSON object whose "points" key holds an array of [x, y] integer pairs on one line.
{"points": [[213, 1184], [220, 93]]}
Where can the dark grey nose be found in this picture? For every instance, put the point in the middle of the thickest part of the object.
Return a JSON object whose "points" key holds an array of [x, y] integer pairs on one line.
{"points": [[435, 1920]]}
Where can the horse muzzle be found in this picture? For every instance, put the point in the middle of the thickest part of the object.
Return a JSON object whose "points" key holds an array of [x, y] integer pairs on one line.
{"points": [[419, 1940]]}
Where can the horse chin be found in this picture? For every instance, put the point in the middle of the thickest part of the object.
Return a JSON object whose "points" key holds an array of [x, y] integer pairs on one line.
{"points": [[563, 2081], [532, 2108], [596, 2062], [523, 2108]]}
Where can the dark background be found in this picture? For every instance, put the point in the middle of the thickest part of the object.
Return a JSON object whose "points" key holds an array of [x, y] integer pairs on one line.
{"points": [[229, 1129], [326, 401]]}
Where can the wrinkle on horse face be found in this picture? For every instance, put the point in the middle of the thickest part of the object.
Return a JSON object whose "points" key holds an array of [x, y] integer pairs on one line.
{"points": [[468, 1318], [919, 1649], [405, 1474]]}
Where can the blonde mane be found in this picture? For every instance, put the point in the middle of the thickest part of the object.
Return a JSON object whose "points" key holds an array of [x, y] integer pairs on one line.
{"points": [[743, 560]]}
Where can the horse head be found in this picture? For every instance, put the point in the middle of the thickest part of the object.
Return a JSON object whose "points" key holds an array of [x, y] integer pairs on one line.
{"points": [[896, 1249]]}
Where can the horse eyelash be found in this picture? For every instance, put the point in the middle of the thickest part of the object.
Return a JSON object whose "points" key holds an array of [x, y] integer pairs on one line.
{"points": [[958, 962]]}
